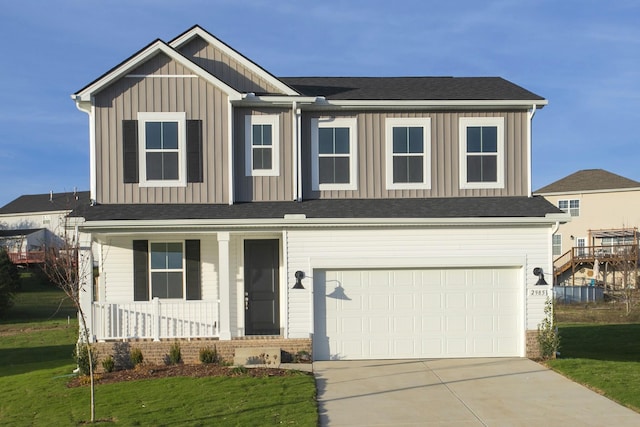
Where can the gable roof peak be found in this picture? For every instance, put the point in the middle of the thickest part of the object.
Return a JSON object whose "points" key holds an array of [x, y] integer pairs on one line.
{"points": [[586, 180]]}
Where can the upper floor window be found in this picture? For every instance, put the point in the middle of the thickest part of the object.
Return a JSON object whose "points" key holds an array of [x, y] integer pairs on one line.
{"points": [[481, 152], [557, 245], [408, 148], [334, 161], [162, 149], [262, 142], [572, 207]]}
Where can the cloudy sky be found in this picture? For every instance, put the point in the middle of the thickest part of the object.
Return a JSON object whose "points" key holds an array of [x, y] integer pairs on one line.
{"points": [[582, 55]]}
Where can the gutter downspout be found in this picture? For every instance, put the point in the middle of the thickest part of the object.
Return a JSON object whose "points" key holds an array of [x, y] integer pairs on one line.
{"points": [[298, 161], [230, 155], [531, 113], [294, 132], [88, 107]]}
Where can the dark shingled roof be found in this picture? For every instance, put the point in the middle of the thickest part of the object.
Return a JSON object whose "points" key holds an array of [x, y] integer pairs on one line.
{"points": [[19, 232], [589, 180], [46, 202], [455, 207], [410, 88]]}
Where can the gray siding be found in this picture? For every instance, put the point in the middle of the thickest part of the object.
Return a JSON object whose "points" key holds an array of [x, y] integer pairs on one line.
{"points": [[264, 188], [226, 68], [445, 181], [128, 96]]}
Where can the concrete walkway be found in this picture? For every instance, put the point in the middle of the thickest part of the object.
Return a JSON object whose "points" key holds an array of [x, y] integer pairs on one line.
{"points": [[458, 392]]}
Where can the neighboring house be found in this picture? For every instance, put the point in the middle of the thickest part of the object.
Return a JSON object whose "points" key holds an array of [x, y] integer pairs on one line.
{"points": [[358, 217], [33, 222], [600, 243]]}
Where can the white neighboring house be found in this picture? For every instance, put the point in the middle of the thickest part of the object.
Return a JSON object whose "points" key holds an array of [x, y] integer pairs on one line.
{"points": [[31, 223], [605, 216], [363, 218]]}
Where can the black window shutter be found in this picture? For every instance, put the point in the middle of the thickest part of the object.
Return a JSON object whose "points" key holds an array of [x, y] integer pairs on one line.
{"points": [[194, 151], [130, 150], [192, 255], [140, 270]]}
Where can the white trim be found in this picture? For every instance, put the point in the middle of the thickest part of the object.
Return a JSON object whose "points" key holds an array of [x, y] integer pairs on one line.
{"points": [[160, 76], [531, 113], [180, 118], [230, 155], [332, 122], [265, 119], [465, 122], [151, 50], [579, 192], [325, 263], [220, 45], [430, 104], [425, 124]]}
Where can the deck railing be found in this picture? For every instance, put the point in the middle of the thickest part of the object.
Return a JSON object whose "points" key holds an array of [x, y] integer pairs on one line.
{"points": [[31, 257], [156, 319]]}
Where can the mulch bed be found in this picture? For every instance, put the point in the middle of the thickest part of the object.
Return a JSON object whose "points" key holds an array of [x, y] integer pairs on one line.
{"points": [[148, 371]]}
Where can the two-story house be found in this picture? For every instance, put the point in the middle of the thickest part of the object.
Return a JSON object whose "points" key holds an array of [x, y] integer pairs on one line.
{"points": [[356, 217], [600, 243]]}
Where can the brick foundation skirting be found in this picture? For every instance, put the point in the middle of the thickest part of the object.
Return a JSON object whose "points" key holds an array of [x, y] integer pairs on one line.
{"points": [[533, 347], [157, 351]]}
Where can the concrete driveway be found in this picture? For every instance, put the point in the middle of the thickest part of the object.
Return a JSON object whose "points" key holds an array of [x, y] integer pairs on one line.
{"points": [[458, 392]]}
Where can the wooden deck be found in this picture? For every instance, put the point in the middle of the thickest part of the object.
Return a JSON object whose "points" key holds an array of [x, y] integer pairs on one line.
{"points": [[617, 257], [26, 258]]}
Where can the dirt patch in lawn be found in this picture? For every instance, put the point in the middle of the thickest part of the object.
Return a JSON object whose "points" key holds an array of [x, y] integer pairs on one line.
{"points": [[148, 371]]}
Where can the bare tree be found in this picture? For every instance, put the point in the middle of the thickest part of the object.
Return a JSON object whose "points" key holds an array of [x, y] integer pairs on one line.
{"points": [[64, 266]]}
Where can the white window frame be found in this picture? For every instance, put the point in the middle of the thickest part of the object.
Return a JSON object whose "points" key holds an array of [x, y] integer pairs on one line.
{"points": [[267, 119], [181, 119], [573, 211], [334, 122], [162, 270], [497, 122], [556, 245], [425, 124]]}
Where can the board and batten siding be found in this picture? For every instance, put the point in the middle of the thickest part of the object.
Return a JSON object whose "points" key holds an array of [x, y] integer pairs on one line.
{"points": [[263, 188], [128, 96], [116, 270], [413, 248], [445, 154], [226, 68]]}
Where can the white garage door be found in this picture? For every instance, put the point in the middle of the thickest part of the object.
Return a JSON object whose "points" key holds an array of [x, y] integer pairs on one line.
{"points": [[427, 313]]}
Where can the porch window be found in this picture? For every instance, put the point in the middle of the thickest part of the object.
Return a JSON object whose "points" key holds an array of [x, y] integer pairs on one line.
{"points": [[481, 152], [333, 143], [167, 270]]}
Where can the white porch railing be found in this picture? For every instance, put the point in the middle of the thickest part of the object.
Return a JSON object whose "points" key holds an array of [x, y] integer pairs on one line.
{"points": [[155, 319]]}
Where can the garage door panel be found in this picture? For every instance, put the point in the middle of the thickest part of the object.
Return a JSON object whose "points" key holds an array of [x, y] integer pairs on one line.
{"points": [[418, 313]]}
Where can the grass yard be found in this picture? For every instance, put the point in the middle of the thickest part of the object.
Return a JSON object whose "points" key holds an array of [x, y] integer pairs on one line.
{"points": [[36, 343], [604, 357]]}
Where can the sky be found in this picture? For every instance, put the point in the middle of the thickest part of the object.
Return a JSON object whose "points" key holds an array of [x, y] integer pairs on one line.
{"points": [[583, 56]]}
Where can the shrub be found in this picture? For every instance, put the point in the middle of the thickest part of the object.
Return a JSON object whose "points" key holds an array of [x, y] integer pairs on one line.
{"points": [[108, 364], [175, 355], [81, 354], [548, 337], [209, 355], [135, 355], [9, 282]]}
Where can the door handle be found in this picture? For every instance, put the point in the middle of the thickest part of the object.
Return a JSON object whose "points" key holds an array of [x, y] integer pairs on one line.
{"points": [[246, 301]]}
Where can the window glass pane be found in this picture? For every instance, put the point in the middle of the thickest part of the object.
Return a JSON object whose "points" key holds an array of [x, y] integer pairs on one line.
{"points": [[341, 170], [574, 203], [153, 135], [158, 256], [342, 140], [262, 135], [400, 166], [326, 170], [325, 140], [174, 284], [170, 135], [400, 140], [563, 204], [474, 140], [266, 134], [159, 285], [415, 169], [489, 168], [169, 166], [474, 169], [174, 255], [489, 139], [257, 135], [416, 140], [154, 166], [262, 158]]}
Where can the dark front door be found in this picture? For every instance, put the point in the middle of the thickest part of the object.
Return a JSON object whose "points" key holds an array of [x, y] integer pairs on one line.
{"points": [[261, 308]]}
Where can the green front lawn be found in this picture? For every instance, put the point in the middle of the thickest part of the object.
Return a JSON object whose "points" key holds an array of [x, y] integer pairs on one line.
{"points": [[36, 344], [603, 357]]}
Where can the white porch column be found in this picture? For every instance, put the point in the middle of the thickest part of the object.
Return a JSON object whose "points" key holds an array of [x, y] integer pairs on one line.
{"points": [[224, 286], [85, 282]]}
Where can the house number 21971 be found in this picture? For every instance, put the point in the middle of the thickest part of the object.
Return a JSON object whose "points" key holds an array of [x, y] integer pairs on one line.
{"points": [[538, 292]]}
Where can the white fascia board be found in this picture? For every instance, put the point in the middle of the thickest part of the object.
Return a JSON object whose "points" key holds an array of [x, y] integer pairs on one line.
{"points": [[426, 104], [573, 193], [227, 50], [128, 226], [264, 101], [154, 48]]}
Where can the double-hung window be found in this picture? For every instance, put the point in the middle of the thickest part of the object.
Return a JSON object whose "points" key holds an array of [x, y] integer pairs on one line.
{"points": [[408, 147], [262, 145], [557, 245], [572, 207], [333, 146], [162, 146], [481, 152], [167, 270]]}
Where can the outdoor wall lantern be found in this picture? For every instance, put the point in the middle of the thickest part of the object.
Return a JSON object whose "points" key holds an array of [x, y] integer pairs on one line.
{"points": [[299, 276], [538, 272]]}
